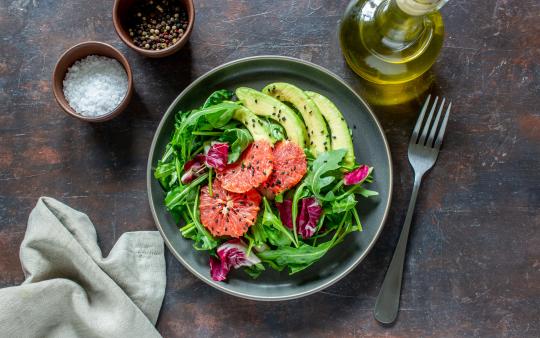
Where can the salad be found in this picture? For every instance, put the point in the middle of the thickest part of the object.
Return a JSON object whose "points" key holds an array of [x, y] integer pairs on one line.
{"points": [[263, 179]]}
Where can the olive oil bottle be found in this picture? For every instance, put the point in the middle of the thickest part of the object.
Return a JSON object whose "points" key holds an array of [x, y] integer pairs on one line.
{"points": [[392, 41]]}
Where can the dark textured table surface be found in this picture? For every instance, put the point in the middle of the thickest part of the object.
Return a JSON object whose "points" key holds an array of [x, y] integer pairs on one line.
{"points": [[473, 265]]}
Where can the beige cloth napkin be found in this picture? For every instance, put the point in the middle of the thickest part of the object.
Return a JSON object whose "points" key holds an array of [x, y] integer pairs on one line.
{"points": [[71, 290]]}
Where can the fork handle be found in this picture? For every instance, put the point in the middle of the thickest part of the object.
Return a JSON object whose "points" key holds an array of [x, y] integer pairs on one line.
{"points": [[387, 305]]}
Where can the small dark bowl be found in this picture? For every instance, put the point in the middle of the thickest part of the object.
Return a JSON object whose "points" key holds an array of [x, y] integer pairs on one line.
{"points": [[120, 17], [81, 51]]}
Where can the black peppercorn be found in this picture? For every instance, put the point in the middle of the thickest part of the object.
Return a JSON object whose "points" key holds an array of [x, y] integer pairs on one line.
{"points": [[166, 24]]}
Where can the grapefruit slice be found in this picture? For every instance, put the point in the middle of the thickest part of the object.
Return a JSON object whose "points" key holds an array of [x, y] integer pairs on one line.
{"points": [[289, 167], [226, 213], [252, 169]]}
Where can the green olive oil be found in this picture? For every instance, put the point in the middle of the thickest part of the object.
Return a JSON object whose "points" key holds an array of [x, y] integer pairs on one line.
{"points": [[392, 41]]}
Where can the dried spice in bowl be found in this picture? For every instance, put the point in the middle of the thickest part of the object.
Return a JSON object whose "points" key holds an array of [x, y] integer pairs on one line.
{"points": [[157, 24]]}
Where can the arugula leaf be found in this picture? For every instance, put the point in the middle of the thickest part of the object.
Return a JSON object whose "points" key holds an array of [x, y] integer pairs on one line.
{"points": [[165, 173], [204, 119], [366, 192], [357, 190], [357, 219], [259, 234], [217, 97], [276, 232], [299, 258], [299, 193], [255, 270], [238, 140], [178, 195], [296, 259], [339, 206], [267, 229], [322, 172], [194, 229], [204, 241]]}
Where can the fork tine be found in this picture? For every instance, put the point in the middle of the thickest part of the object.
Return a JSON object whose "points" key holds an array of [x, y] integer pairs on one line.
{"points": [[431, 137], [416, 131], [426, 128], [443, 128]]}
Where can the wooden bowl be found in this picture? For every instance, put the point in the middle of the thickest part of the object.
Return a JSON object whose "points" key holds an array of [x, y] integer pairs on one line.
{"points": [[120, 16], [79, 52]]}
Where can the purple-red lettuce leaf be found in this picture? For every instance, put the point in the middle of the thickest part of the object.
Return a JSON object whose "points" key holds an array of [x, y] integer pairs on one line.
{"points": [[285, 212], [357, 176], [232, 254], [308, 216], [217, 155], [193, 168], [218, 270], [309, 212]]}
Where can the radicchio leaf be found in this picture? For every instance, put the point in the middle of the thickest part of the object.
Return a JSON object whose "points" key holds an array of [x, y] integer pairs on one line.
{"points": [[217, 155], [232, 254], [218, 270], [193, 168], [308, 217], [357, 176], [285, 212]]}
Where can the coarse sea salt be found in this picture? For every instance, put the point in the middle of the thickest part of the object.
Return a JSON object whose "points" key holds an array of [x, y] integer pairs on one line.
{"points": [[95, 85]]}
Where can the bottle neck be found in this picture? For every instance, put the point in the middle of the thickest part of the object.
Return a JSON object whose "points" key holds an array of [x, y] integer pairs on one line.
{"points": [[396, 24]]}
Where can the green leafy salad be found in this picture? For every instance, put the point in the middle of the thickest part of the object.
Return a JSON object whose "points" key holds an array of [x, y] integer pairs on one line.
{"points": [[263, 179]]}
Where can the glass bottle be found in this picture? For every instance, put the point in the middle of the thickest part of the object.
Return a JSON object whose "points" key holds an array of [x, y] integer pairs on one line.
{"points": [[391, 41]]}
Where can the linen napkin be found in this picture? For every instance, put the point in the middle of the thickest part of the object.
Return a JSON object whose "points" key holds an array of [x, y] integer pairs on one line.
{"points": [[71, 290]]}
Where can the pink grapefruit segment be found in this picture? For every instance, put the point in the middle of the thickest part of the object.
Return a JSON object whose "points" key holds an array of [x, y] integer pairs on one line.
{"points": [[226, 213], [290, 166], [253, 168]]}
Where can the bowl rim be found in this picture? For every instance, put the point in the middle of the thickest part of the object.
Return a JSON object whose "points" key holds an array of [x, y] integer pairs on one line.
{"points": [[219, 286], [58, 94], [162, 52]]}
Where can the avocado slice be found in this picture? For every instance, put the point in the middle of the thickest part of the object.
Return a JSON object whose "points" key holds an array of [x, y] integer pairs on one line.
{"points": [[253, 123], [339, 130], [264, 105], [319, 137]]}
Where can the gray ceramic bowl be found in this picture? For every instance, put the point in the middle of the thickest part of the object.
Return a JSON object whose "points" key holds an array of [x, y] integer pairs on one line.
{"points": [[370, 146]]}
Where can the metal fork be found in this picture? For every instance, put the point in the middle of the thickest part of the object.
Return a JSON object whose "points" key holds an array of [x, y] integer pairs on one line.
{"points": [[423, 151]]}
